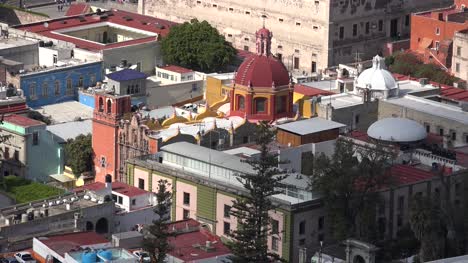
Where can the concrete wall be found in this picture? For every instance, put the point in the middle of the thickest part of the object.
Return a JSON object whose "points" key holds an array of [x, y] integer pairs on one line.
{"points": [[367, 113], [26, 54], [60, 76], [147, 54], [460, 55], [127, 221], [86, 99], [173, 93], [126, 87], [46, 55]]}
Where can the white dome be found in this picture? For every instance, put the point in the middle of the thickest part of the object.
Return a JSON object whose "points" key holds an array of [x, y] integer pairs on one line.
{"points": [[397, 130], [377, 77]]}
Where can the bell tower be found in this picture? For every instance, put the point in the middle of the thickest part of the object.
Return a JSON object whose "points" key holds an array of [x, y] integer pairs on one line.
{"points": [[108, 111]]}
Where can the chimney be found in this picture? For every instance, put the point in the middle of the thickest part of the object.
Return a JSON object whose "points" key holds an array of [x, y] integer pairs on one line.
{"points": [[108, 183]]}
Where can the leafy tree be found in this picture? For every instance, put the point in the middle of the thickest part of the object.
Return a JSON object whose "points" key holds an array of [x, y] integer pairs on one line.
{"points": [[427, 225], [156, 240], [348, 182], [79, 154], [254, 223], [38, 116], [197, 45]]}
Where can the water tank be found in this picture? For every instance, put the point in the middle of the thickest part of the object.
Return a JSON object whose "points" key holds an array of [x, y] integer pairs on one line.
{"points": [[105, 255], [89, 257]]}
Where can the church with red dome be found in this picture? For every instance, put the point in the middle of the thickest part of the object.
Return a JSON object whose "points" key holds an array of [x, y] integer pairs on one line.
{"points": [[262, 88]]}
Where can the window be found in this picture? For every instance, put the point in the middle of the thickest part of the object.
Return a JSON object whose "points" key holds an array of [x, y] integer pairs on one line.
{"points": [[321, 222], [296, 63], [441, 132], [45, 89], [186, 214], [119, 199], [69, 87], [141, 183], [7, 153], [227, 211], [281, 104], [274, 226], [302, 242], [356, 119], [437, 31], [32, 91], [103, 162], [186, 198], [457, 189], [401, 202], [114, 197], [302, 226], [246, 48], [80, 81], [437, 45], [354, 29], [260, 105], [466, 138], [341, 32], [246, 39], [231, 9], [16, 155], [109, 106], [35, 138], [279, 56], [133, 201], [458, 51], [215, 5], [229, 35], [280, 19], [320, 237], [298, 23], [380, 25], [57, 88], [315, 27], [367, 27], [407, 20], [247, 12], [399, 220], [226, 228], [457, 67], [274, 243], [428, 127], [454, 136]]}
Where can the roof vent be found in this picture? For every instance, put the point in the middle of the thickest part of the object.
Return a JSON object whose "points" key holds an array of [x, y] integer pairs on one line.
{"points": [[144, 23], [63, 22], [82, 18], [159, 26], [104, 16], [128, 18]]}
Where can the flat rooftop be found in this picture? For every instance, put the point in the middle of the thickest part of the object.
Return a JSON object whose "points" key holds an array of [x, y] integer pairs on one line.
{"points": [[60, 28], [71, 130], [341, 100], [308, 126], [68, 111], [13, 42], [64, 243], [432, 108]]}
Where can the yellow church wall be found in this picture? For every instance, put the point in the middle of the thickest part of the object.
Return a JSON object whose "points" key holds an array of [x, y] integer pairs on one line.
{"points": [[215, 90]]}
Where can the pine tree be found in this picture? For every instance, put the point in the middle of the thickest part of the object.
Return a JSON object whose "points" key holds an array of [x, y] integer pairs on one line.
{"points": [[156, 238], [249, 241]]}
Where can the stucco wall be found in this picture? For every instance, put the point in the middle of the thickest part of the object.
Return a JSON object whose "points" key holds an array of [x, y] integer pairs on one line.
{"points": [[173, 93], [460, 43], [179, 204]]}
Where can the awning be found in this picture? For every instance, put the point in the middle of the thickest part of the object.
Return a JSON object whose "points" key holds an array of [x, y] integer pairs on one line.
{"points": [[62, 178], [425, 43]]}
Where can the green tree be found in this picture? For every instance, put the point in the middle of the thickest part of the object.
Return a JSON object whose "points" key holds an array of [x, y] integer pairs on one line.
{"points": [[79, 154], [197, 45], [156, 239], [348, 182], [38, 116], [254, 223]]}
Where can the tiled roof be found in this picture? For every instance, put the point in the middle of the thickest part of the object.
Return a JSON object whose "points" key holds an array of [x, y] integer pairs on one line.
{"points": [[405, 174], [120, 17], [453, 93], [311, 91], [126, 74], [22, 121], [118, 187], [78, 9], [177, 69], [64, 243], [262, 71]]}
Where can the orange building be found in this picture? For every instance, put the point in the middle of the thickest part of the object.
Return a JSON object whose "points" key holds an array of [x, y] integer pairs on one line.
{"points": [[108, 111], [262, 89], [432, 32]]}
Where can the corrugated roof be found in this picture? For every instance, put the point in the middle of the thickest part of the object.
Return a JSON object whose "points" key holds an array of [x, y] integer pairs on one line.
{"points": [[126, 74], [309, 126], [207, 155]]}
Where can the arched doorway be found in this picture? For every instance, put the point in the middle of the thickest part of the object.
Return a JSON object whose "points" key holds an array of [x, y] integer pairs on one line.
{"points": [[102, 226], [358, 259], [89, 226]]}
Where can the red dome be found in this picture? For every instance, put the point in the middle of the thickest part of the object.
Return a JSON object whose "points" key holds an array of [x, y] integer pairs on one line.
{"points": [[262, 71], [263, 32]]}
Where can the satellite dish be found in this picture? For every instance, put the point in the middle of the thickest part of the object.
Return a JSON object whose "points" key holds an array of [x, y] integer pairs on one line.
{"points": [[46, 25]]}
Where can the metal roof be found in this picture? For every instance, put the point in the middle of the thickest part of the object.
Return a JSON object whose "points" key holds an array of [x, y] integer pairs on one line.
{"points": [[309, 126], [70, 130], [200, 153]]}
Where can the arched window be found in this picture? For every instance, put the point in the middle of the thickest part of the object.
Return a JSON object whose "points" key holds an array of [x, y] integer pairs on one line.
{"points": [[260, 105], [101, 105], [109, 106], [240, 102]]}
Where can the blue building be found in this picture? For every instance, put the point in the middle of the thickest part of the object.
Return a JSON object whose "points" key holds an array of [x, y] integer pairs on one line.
{"points": [[58, 84]]}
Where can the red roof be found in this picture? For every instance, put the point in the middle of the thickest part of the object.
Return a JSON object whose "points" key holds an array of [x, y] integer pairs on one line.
{"points": [[311, 91], [405, 174], [262, 71], [183, 244], [453, 93], [118, 187], [119, 17], [78, 9], [64, 243], [22, 121], [177, 69], [359, 135]]}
